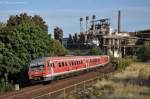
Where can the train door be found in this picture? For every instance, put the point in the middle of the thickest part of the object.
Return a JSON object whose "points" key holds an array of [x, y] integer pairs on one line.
{"points": [[51, 64], [86, 63]]}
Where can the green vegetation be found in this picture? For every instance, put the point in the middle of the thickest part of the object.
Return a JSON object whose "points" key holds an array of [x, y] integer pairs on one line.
{"points": [[95, 51], [143, 53], [5, 86], [77, 52], [144, 31], [58, 34], [123, 63], [22, 39]]}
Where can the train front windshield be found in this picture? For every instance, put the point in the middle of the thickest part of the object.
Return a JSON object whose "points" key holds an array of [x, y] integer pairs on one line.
{"points": [[37, 66]]}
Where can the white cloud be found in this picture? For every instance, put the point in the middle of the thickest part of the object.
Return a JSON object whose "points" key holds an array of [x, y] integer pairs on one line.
{"points": [[13, 2]]}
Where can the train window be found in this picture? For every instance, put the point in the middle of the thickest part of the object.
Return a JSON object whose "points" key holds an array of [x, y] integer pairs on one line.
{"points": [[75, 62], [66, 64], [59, 64], [72, 63], [50, 64], [69, 63], [63, 64]]}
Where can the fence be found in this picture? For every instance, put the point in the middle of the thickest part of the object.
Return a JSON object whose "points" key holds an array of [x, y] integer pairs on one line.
{"points": [[64, 92]]}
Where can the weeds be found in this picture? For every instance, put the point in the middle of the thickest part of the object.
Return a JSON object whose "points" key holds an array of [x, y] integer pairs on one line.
{"points": [[5, 86]]}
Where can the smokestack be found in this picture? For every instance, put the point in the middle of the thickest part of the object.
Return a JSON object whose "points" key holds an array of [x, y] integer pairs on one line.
{"points": [[119, 20]]}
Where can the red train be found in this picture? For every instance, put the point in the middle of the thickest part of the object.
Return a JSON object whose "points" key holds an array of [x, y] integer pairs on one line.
{"points": [[47, 68]]}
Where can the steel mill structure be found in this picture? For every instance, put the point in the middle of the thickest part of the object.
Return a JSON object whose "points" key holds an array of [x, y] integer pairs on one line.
{"points": [[98, 32]]}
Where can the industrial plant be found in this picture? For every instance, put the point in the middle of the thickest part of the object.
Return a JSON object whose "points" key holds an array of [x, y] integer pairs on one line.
{"points": [[98, 32]]}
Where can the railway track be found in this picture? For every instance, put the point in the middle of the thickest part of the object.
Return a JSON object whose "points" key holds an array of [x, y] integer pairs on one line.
{"points": [[40, 89]]}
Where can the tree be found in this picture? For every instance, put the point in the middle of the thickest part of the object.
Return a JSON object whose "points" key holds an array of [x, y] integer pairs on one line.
{"points": [[22, 39], [58, 34], [70, 41], [143, 53], [76, 38], [59, 50], [40, 22]]}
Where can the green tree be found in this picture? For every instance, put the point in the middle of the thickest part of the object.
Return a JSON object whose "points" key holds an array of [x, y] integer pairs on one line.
{"points": [[143, 53], [22, 39], [59, 50], [58, 34], [70, 41]]}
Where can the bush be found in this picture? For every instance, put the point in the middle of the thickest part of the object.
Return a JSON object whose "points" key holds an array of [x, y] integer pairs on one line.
{"points": [[95, 51], [143, 53], [123, 63], [77, 52], [5, 86]]}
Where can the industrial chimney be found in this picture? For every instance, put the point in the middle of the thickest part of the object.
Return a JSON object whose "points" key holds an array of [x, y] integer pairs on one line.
{"points": [[93, 23], [119, 20]]}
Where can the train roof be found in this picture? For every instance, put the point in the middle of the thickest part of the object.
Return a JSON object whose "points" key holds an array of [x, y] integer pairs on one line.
{"points": [[65, 58]]}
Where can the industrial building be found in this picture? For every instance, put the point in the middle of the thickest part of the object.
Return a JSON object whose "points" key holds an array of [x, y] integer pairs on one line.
{"points": [[98, 32]]}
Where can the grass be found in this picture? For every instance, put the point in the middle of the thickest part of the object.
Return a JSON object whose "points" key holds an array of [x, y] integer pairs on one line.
{"points": [[131, 83]]}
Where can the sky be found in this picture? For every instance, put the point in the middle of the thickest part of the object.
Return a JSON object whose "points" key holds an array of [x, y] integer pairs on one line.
{"points": [[135, 14]]}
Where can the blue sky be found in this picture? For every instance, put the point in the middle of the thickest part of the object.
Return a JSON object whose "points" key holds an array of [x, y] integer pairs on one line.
{"points": [[66, 13]]}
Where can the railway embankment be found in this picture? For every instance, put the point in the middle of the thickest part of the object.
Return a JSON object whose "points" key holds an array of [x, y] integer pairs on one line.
{"points": [[131, 83]]}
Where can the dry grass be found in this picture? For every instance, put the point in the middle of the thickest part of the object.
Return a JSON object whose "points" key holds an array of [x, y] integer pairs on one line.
{"points": [[132, 83]]}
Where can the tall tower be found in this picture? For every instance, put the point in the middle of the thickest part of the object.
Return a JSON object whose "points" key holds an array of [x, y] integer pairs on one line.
{"points": [[81, 25], [87, 19], [86, 33], [119, 20]]}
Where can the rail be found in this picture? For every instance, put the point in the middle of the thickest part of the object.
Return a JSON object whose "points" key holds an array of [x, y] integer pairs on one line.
{"points": [[64, 92]]}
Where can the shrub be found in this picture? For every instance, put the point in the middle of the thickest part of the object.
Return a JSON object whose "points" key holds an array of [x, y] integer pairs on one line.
{"points": [[123, 63], [5, 86], [95, 51], [77, 52], [143, 53]]}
